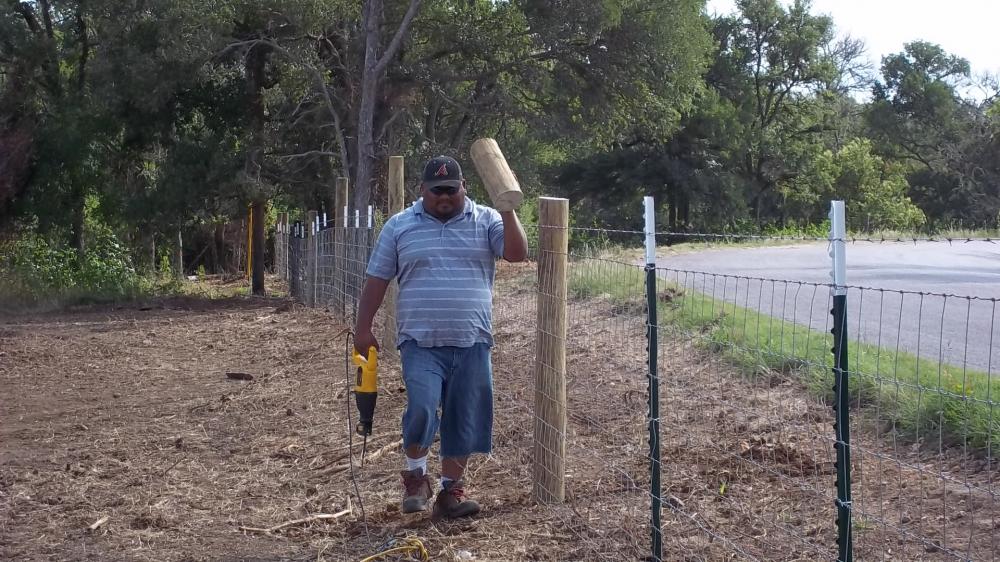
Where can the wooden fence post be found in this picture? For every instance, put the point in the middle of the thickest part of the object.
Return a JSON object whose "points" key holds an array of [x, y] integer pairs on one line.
{"points": [[340, 248], [396, 193], [550, 357]]}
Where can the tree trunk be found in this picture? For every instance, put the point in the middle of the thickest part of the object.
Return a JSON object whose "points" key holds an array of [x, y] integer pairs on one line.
{"points": [[256, 61], [371, 75], [685, 211], [257, 248], [179, 261], [79, 219], [373, 11], [218, 247]]}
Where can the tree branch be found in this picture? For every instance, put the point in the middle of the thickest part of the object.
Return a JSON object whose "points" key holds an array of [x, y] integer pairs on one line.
{"points": [[305, 154], [389, 122], [397, 39], [320, 84], [28, 14], [84, 48], [47, 18]]}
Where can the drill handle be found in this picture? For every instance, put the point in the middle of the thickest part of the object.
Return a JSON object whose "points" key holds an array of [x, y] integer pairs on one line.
{"points": [[362, 361], [367, 378]]}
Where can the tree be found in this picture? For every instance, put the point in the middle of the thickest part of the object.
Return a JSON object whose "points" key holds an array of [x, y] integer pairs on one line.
{"points": [[376, 61], [45, 52], [771, 64], [917, 116], [875, 190], [776, 99]]}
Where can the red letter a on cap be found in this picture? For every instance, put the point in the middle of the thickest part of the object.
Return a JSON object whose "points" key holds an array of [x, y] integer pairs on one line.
{"points": [[442, 171]]}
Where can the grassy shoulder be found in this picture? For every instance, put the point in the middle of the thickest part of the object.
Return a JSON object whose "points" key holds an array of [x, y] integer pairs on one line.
{"points": [[916, 398]]}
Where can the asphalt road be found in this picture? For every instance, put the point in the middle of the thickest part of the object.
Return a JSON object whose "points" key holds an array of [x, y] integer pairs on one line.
{"points": [[932, 299]]}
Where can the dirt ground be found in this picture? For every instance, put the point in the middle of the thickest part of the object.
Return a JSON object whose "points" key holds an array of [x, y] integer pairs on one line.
{"points": [[126, 416]]}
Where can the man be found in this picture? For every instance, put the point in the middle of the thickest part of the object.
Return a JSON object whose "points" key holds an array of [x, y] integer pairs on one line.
{"points": [[443, 250]]}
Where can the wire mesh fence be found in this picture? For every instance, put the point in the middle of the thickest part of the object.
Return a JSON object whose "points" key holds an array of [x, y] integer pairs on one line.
{"points": [[922, 402], [926, 423], [605, 515], [749, 467]]}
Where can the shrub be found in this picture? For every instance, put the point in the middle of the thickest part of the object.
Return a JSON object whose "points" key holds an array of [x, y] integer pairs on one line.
{"points": [[36, 270]]}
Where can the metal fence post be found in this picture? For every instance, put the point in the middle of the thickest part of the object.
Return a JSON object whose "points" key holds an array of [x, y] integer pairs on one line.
{"points": [[311, 256], [294, 262], [281, 247], [841, 407], [654, 382]]}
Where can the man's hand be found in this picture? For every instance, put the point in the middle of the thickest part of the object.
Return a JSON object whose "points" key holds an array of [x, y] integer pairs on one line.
{"points": [[499, 179], [371, 298], [363, 341]]}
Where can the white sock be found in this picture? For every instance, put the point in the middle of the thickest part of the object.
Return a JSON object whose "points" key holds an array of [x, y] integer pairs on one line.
{"points": [[413, 464], [445, 480]]}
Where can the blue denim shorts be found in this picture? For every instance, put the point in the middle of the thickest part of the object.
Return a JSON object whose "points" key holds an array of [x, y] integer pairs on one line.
{"points": [[458, 381]]}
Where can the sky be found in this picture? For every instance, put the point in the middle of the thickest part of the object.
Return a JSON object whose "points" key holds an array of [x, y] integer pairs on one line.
{"points": [[967, 28]]}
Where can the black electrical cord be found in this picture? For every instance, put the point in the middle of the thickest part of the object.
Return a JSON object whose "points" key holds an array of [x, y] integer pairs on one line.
{"points": [[349, 341]]}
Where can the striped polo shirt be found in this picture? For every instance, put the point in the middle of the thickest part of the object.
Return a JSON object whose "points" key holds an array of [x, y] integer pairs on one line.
{"points": [[445, 272]]}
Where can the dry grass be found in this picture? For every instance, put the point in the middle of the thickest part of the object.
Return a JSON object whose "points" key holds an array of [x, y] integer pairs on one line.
{"points": [[127, 414]]}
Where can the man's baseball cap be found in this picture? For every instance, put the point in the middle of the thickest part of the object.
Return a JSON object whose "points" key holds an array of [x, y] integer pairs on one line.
{"points": [[442, 170]]}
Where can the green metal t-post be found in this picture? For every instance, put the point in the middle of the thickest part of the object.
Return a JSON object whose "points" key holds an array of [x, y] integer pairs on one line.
{"points": [[842, 425], [654, 385]]}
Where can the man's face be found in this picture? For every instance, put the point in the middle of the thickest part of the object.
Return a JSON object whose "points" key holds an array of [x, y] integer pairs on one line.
{"points": [[444, 201]]}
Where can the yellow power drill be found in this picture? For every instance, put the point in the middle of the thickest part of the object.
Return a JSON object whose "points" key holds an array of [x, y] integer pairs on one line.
{"points": [[366, 390]]}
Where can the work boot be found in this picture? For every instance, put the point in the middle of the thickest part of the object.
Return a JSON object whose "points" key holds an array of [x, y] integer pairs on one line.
{"points": [[451, 502], [417, 486]]}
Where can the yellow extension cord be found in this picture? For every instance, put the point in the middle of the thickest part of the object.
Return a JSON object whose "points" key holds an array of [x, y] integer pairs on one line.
{"points": [[408, 545]]}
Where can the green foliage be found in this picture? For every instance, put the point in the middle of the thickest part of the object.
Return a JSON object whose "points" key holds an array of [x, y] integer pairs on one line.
{"points": [[38, 270], [164, 270], [41, 268], [176, 114], [808, 230], [948, 145], [770, 63], [874, 190], [166, 278]]}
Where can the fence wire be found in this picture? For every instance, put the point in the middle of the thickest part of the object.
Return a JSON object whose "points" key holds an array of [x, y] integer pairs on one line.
{"points": [[746, 449], [606, 512], [745, 406], [923, 397]]}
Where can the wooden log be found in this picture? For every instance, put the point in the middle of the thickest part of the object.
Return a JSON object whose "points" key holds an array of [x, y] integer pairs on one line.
{"points": [[500, 181], [550, 357]]}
